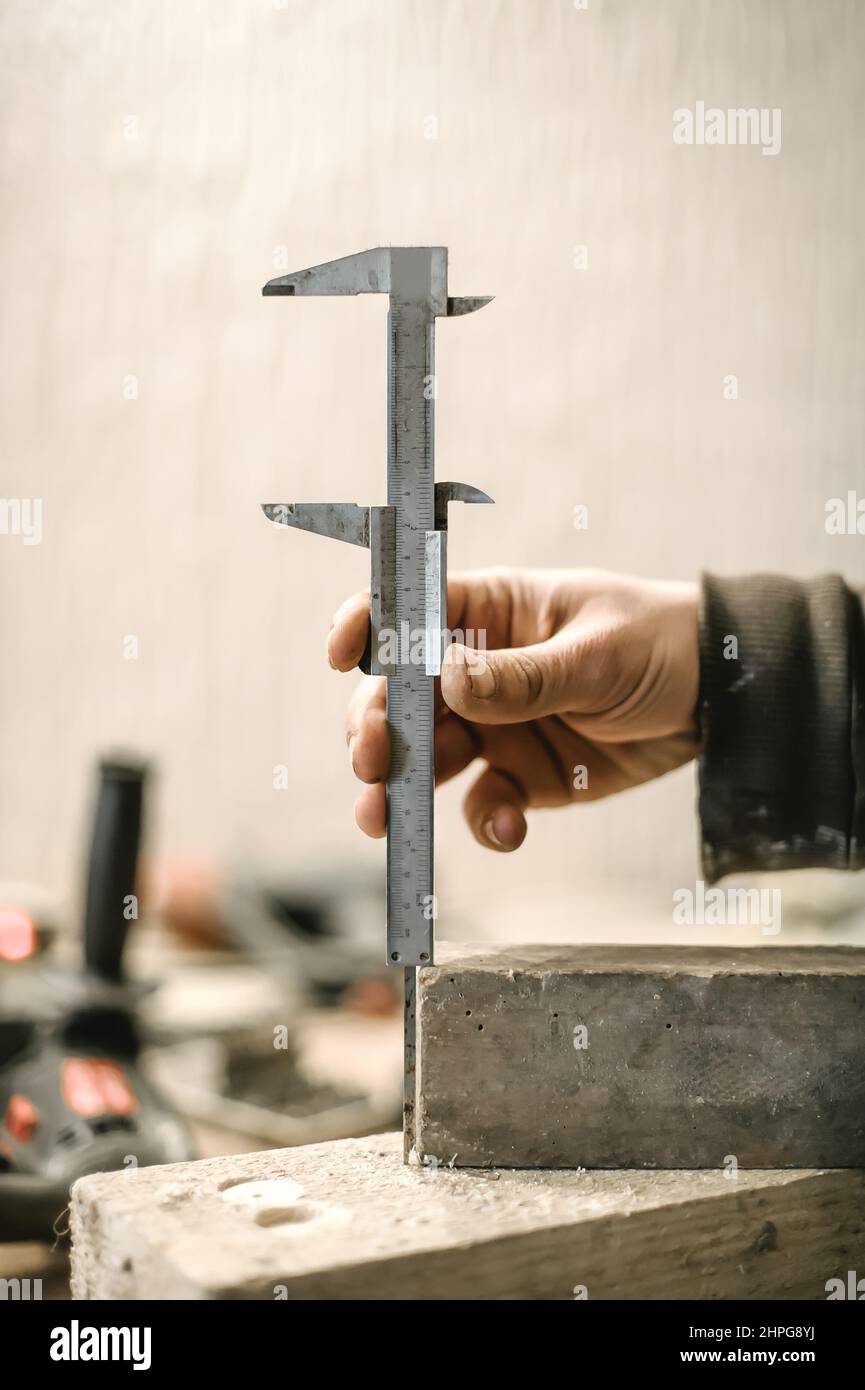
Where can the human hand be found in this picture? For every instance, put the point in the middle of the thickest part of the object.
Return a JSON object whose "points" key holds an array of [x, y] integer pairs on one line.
{"points": [[588, 685]]}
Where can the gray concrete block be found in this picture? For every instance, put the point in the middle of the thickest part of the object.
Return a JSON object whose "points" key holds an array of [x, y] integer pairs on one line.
{"points": [[349, 1220], [603, 1056]]}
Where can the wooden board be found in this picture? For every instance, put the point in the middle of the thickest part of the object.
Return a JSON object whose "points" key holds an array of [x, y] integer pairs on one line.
{"points": [[349, 1220]]}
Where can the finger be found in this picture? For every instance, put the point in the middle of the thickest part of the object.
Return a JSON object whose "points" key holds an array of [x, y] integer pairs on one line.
{"points": [[370, 811], [511, 685], [455, 748], [369, 745], [494, 808], [369, 693], [347, 637], [366, 732], [536, 755]]}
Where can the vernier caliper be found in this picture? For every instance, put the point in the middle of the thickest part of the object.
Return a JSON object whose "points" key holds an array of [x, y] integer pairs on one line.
{"points": [[408, 583]]}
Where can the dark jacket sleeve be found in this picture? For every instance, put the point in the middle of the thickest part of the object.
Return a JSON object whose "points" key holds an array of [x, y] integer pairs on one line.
{"points": [[782, 714]]}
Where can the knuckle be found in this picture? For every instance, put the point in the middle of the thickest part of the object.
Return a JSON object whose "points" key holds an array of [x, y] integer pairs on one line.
{"points": [[530, 676]]}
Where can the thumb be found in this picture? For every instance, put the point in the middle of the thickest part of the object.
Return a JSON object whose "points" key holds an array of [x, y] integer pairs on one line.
{"points": [[510, 685]]}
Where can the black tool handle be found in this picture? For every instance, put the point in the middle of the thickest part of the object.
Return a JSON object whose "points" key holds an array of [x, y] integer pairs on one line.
{"points": [[111, 871]]}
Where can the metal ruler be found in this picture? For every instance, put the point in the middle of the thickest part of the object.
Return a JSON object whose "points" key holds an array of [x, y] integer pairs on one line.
{"points": [[407, 540]]}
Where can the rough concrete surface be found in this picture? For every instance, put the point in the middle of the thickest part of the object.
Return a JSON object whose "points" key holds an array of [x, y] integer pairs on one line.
{"points": [[348, 1220], [632, 1057]]}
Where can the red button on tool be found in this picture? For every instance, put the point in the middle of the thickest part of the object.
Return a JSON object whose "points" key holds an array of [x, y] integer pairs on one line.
{"points": [[17, 934], [94, 1086], [22, 1117]]}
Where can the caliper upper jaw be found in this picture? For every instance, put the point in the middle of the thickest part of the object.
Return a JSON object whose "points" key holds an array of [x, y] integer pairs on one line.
{"points": [[367, 272]]}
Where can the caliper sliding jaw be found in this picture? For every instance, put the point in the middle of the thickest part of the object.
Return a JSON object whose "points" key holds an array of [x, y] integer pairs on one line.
{"points": [[374, 528]]}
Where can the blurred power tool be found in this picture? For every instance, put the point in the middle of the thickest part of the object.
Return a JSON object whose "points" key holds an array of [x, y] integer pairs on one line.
{"points": [[72, 1099]]}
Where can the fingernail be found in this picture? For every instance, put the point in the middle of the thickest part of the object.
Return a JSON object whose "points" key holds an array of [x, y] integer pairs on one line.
{"points": [[488, 832], [481, 675], [352, 741]]}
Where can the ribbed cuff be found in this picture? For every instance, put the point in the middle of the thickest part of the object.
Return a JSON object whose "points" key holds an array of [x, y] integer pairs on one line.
{"points": [[782, 722]]}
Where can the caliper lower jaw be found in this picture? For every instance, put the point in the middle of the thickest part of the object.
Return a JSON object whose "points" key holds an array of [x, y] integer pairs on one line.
{"points": [[418, 273], [374, 528]]}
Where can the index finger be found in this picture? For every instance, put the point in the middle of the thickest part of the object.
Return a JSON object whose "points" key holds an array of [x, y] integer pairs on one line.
{"points": [[347, 638]]}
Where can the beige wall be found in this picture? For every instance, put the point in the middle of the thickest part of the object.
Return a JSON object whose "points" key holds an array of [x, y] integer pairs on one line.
{"points": [[159, 158]]}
